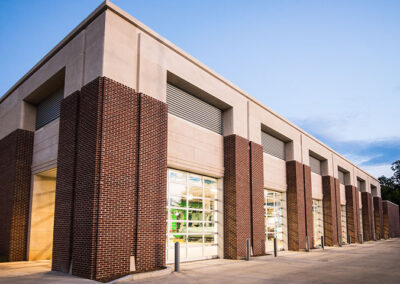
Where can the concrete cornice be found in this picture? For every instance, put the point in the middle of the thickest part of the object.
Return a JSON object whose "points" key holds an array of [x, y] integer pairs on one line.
{"points": [[115, 9]]}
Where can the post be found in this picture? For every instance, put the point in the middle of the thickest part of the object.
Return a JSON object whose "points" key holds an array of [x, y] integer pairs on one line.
{"points": [[307, 244], [349, 239], [322, 242], [361, 238], [340, 240], [275, 248], [366, 237], [248, 249], [177, 254]]}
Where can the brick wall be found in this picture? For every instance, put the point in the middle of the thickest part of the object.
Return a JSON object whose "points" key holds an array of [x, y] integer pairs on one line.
{"points": [[330, 211], [353, 222], [237, 199], [117, 129], [378, 215], [257, 198], [15, 183], [391, 219], [338, 210], [359, 229], [308, 204], [367, 216], [295, 206], [65, 185]]}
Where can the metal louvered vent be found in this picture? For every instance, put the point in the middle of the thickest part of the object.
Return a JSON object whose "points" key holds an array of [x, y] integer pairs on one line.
{"points": [[341, 177], [49, 109], [190, 108], [273, 146], [315, 165]]}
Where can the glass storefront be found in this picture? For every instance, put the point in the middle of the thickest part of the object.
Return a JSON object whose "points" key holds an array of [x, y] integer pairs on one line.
{"points": [[318, 220], [344, 224], [275, 219], [192, 205]]}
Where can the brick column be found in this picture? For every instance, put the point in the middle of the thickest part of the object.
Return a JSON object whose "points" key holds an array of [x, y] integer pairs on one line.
{"points": [[237, 199], [295, 206], [338, 209], [65, 185], [367, 215], [391, 219], [353, 223], [15, 186], [330, 210], [118, 207], [257, 199], [378, 215], [359, 229], [308, 205]]}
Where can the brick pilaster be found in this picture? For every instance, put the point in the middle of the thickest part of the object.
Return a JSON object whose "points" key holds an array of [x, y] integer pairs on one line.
{"points": [[65, 185], [338, 209], [295, 206], [16, 151], [367, 215], [237, 199], [118, 206], [391, 219], [330, 210], [353, 222], [308, 205], [257, 198], [378, 215]]}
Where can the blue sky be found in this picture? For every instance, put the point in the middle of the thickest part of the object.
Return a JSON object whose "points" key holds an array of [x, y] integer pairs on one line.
{"points": [[332, 67]]}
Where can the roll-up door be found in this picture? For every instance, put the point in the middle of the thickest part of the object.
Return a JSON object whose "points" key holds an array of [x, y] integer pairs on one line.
{"points": [[193, 109], [341, 177], [315, 165], [49, 109], [273, 146]]}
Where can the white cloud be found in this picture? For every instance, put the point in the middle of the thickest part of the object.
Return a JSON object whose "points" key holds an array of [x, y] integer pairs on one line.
{"points": [[379, 170], [360, 160]]}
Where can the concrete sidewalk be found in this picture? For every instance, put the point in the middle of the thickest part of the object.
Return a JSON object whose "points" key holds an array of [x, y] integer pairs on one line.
{"points": [[372, 262]]}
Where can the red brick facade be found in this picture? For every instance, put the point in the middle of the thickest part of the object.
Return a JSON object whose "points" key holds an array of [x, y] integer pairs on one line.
{"points": [[308, 205], [237, 199], [391, 224], [378, 217], [330, 211], [15, 186], [257, 198], [352, 219], [296, 206], [367, 216], [116, 129]]}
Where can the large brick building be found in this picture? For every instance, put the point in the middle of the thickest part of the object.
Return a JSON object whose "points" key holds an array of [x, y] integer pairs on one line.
{"points": [[118, 144]]}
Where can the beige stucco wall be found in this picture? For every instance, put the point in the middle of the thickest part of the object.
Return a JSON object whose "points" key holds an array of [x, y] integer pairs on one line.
{"points": [[42, 217], [274, 173], [194, 148], [316, 186]]}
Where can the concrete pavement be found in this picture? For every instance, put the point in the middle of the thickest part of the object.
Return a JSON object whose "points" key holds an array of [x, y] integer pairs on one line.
{"points": [[371, 262]]}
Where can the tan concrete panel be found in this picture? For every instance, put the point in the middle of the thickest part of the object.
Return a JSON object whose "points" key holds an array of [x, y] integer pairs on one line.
{"points": [[308, 145], [193, 148], [357, 173], [10, 119], [338, 161], [316, 186], [42, 218], [258, 116], [120, 50], [45, 147], [274, 173]]}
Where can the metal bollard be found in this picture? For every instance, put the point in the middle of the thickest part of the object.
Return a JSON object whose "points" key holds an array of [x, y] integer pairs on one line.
{"points": [[275, 248], [340, 240], [349, 239], [177, 255], [248, 249], [322, 242], [361, 239], [366, 237], [307, 244]]}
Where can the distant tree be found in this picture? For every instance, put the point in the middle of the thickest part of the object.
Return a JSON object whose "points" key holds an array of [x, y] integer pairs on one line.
{"points": [[390, 187]]}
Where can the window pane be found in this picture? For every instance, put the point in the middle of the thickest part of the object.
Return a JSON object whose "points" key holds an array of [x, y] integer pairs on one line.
{"points": [[176, 238], [209, 204], [209, 239], [195, 215], [195, 239], [210, 216], [195, 228], [196, 203], [177, 189], [178, 227], [177, 177], [177, 202], [178, 214]]}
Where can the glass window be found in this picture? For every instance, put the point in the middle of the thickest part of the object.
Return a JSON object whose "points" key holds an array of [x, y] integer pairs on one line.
{"points": [[192, 215], [318, 222], [275, 215]]}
